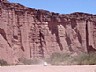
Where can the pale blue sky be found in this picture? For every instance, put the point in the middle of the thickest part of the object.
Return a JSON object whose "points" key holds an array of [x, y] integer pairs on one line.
{"points": [[61, 6]]}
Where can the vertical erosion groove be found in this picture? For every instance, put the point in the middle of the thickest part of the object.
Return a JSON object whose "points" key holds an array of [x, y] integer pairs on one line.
{"points": [[54, 30], [19, 30], [78, 35], [89, 47], [87, 36], [68, 42], [2, 32], [41, 43]]}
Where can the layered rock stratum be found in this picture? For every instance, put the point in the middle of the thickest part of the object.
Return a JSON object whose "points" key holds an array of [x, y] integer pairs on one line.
{"points": [[32, 33]]}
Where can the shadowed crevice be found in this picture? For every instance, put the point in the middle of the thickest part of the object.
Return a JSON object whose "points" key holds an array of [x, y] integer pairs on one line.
{"points": [[41, 50], [2, 32], [68, 42], [91, 49], [22, 48], [54, 30], [15, 37], [73, 23], [19, 30], [78, 35]]}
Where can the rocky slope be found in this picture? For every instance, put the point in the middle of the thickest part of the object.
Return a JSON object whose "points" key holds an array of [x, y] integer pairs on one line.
{"points": [[31, 33]]}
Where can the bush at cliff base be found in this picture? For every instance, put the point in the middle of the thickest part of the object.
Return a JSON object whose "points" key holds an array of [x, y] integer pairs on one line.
{"points": [[68, 59], [3, 62]]}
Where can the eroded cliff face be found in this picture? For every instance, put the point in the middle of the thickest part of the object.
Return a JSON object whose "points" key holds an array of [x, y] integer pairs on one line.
{"points": [[31, 33]]}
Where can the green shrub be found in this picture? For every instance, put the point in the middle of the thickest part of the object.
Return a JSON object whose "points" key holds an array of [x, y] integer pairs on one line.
{"points": [[86, 59], [92, 58], [82, 59], [58, 58], [29, 61], [3, 63], [68, 59], [64, 59]]}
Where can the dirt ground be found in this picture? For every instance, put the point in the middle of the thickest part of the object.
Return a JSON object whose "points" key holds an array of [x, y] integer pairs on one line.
{"points": [[49, 68]]}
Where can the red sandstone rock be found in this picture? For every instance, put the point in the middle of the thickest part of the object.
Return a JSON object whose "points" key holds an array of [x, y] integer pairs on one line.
{"points": [[31, 33]]}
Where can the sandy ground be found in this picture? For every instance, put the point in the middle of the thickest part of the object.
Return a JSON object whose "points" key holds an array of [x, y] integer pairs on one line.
{"points": [[41, 68]]}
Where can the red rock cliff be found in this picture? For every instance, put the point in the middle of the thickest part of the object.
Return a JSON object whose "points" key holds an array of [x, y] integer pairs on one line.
{"points": [[31, 33]]}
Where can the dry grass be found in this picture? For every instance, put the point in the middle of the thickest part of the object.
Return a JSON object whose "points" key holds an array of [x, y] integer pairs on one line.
{"points": [[25, 61], [68, 59]]}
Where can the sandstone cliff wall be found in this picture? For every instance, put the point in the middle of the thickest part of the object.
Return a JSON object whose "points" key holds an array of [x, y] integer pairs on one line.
{"points": [[31, 33]]}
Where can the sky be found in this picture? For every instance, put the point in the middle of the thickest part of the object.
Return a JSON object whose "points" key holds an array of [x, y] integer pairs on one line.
{"points": [[61, 6]]}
